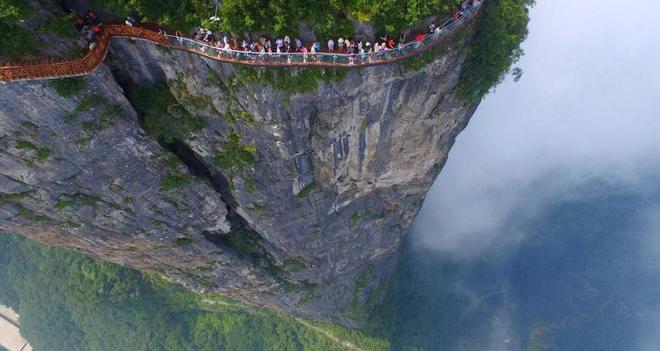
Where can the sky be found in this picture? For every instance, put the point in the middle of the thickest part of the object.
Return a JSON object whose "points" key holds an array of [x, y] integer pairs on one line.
{"points": [[586, 108]]}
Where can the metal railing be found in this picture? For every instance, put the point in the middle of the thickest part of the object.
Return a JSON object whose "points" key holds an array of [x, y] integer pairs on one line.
{"points": [[59, 68], [320, 58]]}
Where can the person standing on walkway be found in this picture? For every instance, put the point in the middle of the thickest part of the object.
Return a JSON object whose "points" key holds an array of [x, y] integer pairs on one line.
{"points": [[280, 44], [331, 45], [420, 39]]}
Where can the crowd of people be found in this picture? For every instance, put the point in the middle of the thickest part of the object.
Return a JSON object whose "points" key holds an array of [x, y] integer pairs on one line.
{"points": [[89, 25], [266, 47]]}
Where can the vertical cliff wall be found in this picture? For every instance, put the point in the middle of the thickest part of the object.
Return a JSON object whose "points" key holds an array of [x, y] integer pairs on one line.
{"points": [[293, 189]]}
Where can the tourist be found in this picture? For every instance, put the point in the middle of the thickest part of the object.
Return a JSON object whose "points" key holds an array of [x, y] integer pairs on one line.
{"points": [[287, 44], [436, 33], [303, 49], [263, 46], [80, 23], [420, 39], [91, 18]]}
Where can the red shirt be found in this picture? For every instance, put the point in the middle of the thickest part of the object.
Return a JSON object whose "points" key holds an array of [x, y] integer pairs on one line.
{"points": [[420, 37]]}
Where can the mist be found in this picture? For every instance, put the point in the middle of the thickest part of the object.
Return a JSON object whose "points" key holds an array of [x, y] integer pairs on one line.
{"points": [[586, 109], [578, 134]]}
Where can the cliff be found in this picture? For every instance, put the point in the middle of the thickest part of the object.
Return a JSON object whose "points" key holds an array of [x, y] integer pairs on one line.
{"points": [[286, 188]]}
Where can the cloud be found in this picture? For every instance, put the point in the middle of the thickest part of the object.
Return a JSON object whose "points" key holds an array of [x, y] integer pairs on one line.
{"points": [[586, 109]]}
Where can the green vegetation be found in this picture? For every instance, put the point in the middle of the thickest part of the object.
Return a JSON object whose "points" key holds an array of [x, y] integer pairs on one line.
{"points": [[30, 215], [294, 265], [13, 198], [245, 242], [327, 18], [250, 185], [258, 208], [77, 200], [31, 127], [356, 216], [15, 41], [501, 28], [68, 301], [234, 115], [164, 117], [178, 176], [186, 97], [356, 308], [183, 241], [288, 80], [24, 145], [278, 17], [172, 182], [63, 25], [68, 87], [43, 153], [307, 190], [172, 163], [90, 101], [235, 155], [94, 102]]}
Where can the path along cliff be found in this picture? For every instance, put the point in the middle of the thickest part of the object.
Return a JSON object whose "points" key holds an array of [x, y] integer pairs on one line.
{"points": [[288, 188]]}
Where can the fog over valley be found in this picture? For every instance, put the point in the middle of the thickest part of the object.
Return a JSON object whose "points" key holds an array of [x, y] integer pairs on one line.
{"points": [[552, 190]]}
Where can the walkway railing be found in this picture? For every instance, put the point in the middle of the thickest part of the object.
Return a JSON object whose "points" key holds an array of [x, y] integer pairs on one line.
{"points": [[60, 68]]}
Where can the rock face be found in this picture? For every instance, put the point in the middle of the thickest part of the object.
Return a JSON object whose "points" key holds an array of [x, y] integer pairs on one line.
{"points": [[339, 164]]}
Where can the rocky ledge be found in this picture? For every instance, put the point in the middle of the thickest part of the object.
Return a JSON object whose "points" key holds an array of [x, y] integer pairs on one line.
{"points": [[284, 188]]}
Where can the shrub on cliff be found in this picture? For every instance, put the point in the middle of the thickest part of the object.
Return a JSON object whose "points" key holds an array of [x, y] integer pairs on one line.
{"points": [[277, 17], [164, 117], [15, 41], [501, 29], [68, 87]]}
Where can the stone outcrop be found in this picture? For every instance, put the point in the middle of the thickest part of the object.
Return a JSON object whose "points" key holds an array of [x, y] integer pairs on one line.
{"points": [[339, 164]]}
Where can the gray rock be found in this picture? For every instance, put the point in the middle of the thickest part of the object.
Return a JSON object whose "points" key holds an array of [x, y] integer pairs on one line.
{"points": [[341, 171]]}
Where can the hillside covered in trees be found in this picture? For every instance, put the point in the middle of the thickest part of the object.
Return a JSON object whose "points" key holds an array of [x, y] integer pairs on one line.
{"points": [[68, 301]]}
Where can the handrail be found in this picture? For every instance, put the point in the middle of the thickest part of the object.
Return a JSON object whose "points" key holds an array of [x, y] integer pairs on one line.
{"points": [[59, 68]]}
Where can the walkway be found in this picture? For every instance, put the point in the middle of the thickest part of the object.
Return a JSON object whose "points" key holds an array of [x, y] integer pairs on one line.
{"points": [[60, 68], [10, 335]]}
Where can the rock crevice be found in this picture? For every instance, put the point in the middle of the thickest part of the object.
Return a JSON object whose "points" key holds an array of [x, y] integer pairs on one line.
{"points": [[294, 193]]}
